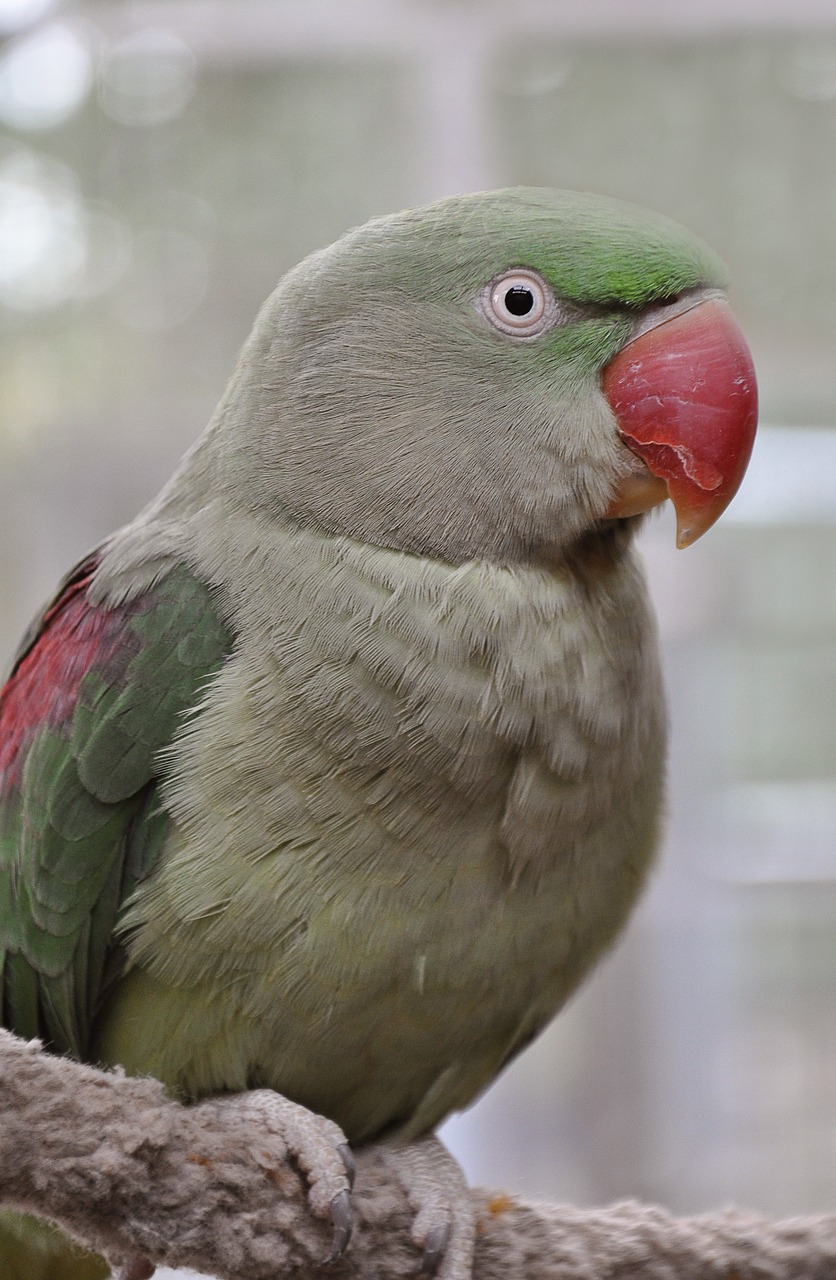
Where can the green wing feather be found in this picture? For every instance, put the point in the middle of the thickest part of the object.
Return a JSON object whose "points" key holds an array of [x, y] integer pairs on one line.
{"points": [[81, 815]]}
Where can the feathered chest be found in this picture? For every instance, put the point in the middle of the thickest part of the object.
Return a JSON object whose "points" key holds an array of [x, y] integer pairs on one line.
{"points": [[376, 700], [412, 787]]}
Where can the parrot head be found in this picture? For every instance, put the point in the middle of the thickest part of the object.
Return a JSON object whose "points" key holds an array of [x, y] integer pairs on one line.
{"points": [[495, 376]]}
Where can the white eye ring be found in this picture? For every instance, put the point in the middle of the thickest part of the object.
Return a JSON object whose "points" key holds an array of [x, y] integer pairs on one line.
{"points": [[519, 303]]}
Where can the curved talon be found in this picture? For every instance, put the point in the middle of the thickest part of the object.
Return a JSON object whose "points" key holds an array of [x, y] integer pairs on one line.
{"points": [[343, 1221], [350, 1163], [137, 1268], [434, 1248]]}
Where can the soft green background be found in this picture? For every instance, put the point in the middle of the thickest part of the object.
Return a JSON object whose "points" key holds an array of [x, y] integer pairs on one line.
{"points": [[161, 165]]}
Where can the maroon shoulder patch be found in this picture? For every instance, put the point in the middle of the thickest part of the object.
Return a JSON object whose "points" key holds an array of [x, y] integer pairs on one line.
{"points": [[43, 687]]}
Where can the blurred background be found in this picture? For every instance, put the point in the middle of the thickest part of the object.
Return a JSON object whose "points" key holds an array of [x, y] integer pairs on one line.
{"points": [[161, 164]]}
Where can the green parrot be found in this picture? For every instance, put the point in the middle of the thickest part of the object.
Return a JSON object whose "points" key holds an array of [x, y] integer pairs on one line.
{"points": [[335, 771]]}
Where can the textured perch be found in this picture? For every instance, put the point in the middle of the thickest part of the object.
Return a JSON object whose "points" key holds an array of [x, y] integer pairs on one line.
{"points": [[128, 1172]]}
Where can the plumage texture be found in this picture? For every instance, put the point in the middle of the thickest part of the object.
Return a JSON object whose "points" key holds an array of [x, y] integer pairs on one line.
{"points": [[350, 761], [94, 694], [405, 754]]}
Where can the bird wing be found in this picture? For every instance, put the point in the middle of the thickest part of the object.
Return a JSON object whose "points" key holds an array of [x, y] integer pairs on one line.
{"points": [[95, 694]]}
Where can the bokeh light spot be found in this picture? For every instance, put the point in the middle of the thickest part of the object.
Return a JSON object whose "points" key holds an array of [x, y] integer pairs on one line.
{"points": [[44, 77], [17, 14], [42, 240], [147, 79]]}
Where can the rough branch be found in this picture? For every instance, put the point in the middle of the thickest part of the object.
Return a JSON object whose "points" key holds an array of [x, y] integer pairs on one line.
{"points": [[128, 1172]]}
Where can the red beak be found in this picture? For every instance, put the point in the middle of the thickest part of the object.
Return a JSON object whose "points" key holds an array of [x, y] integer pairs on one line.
{"points": [[685, 400]]}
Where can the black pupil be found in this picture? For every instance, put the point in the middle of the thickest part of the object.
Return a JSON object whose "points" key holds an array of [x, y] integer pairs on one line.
{"points": [[519, 300]]}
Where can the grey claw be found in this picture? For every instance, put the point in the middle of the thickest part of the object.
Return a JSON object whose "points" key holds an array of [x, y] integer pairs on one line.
{"points": [[342, 1218], [434, 1249], [350, 1164], [137, 1268]]}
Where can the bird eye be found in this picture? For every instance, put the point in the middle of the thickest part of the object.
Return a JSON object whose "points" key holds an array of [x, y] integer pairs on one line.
{"points": [[519, 303]]}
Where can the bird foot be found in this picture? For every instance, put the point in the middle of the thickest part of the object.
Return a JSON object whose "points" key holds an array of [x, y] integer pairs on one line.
{"points": [[317, 1145], [444, 1226], [136, 1268]]}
